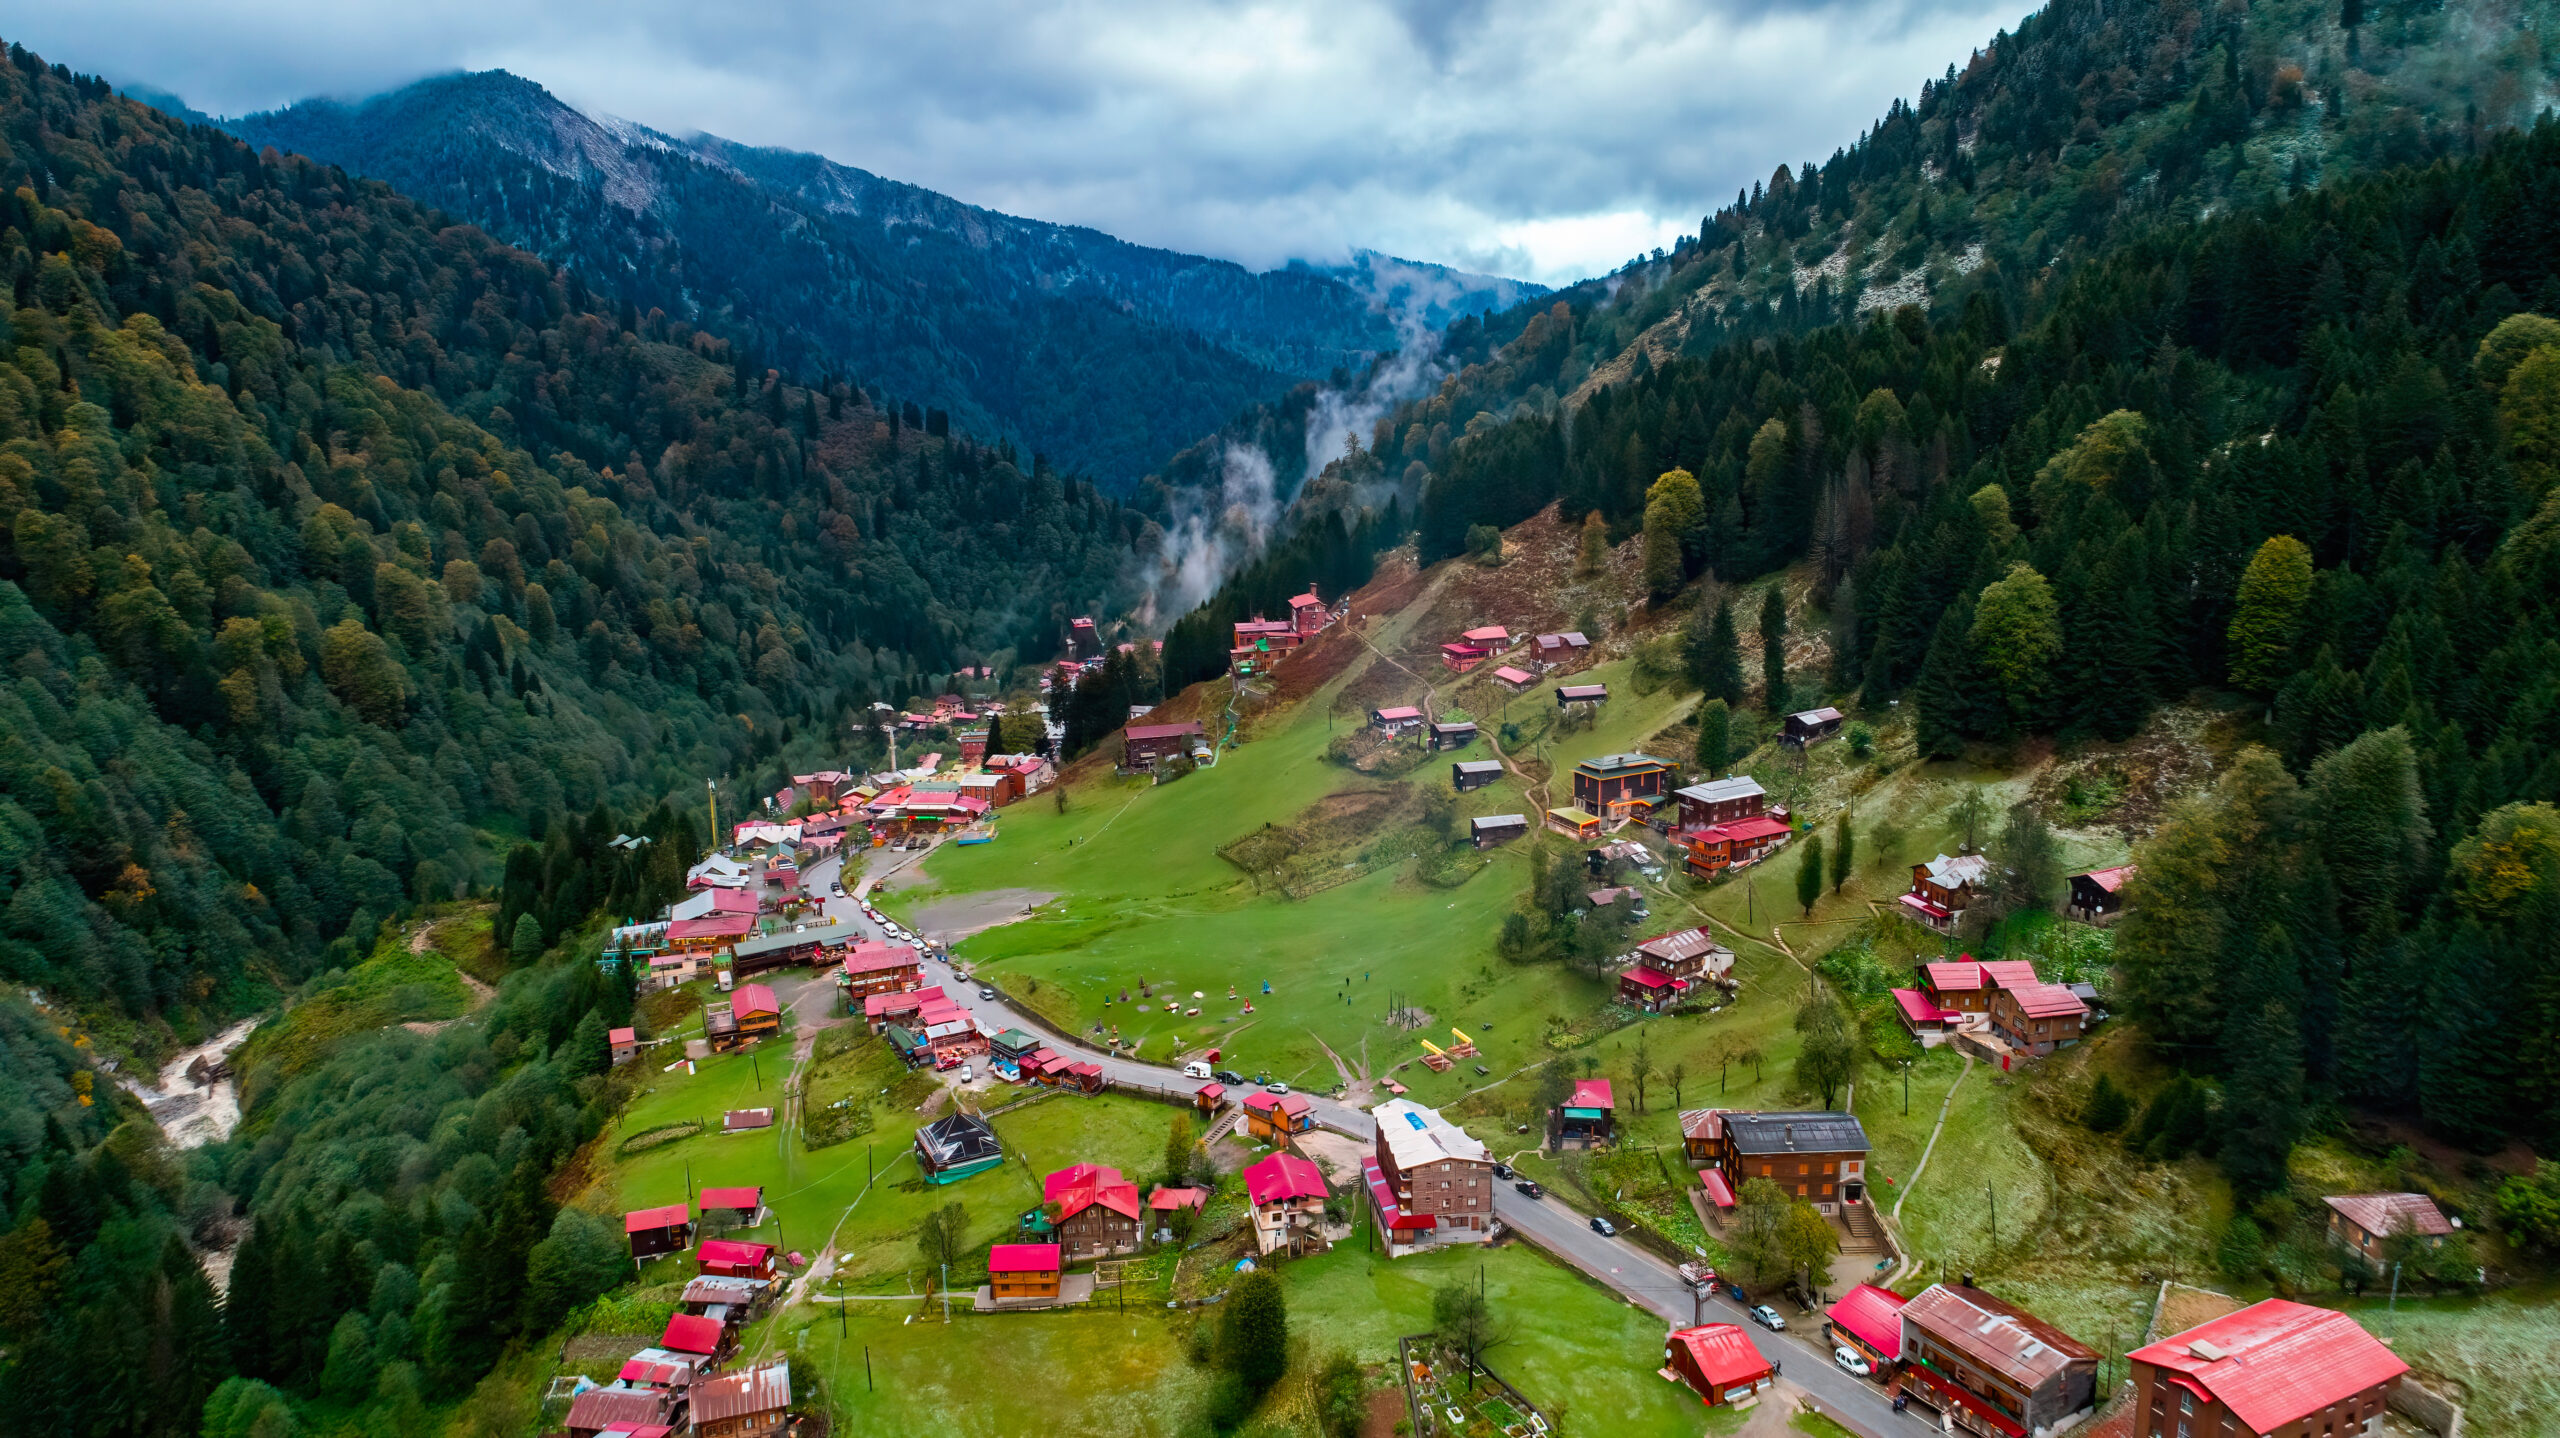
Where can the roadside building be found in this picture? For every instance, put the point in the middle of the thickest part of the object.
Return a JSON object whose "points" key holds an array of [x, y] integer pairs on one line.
{"points": [[2038, 1018], [1024, 1272], [1720, 1364], [1587, 1116], [1581, 696], [790, 947], [872, 967], [1992, 1368], [625, 1044], [1307, 612], [956, 1146], [754, 1014], [1400, 720], [1701, 1134], [1868, 1320], [1277, 1117], [2099, 893], [1144, 746], [1495, 829], [1209, 1097], [751, 1403], [1818, 1156], [1287, 1194], [882, 1010], [1094, 1211], [2366, 1222], [1720, 801], [1435, 1177], [1615, 785], [1474, 775], [1810, 727], [1943, 888], [2273, 1368], [710, 934], [654, 1231], [1452, 736]]}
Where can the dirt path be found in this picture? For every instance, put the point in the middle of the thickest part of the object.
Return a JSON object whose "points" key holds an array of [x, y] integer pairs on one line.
{"points": [[1908, 1184], [421, 939]]}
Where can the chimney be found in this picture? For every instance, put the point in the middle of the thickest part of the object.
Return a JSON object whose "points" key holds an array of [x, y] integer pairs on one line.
{"points": [[1791, 1135]]}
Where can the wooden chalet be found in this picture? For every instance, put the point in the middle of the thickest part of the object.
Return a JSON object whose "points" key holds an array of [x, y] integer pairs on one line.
{"points": [[880, 1011], [1616, 785], [1943, 888], [626, 1409], [1518, 681], [729, 1258], [1144, 746], [1720, 801], [1552, 650], [1581, 696], [2273, 1368], [1810, 727], [955, 1147], [654, 1231], [1587, 1116], [1093, 1211], [698, 1334], [734, 1207], [1452, 736], [1495, 829], [1575, 824], [1491, 636], [1966, 985], [1024, 1272], [2367, 1222], [1734, 844], [1275, 1117], [1670, 968], [1720, 1364], [1287, 1195], [1990, 1368], [1401, 719], [752, 1014], [1460, 657], [1868, 1320], [732, 1301], [1817, 1156], [1922, 1017], [710, 934], [2038, 1018], [1209, 1097], [624, 1044], [872, 967], [2098, 894], [792, 947], [1474, 774], [752, 1403]]}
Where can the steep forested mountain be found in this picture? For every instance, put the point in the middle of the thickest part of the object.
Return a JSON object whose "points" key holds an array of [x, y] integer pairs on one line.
{"points": [[1103, 355]]}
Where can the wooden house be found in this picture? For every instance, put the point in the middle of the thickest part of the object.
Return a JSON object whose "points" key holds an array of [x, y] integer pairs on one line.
{"points": [[2038, 1018], [1587, 1116], [1943, 888], [872, 967], [654, 1231], [698, 1334], [1276, 1117], [1287, 1195], [2098, 894], [625, 1044], [1701, 1134], [1670, 968], [1452, 736], [1720, 801], [1518, 681], [1720, 1364], [1489, 636], [788, 948], [751, 1014], [1552, 650], [882, 1010], [1574, 824], [746, 1120], [732, 1301], [732, 1207], [729, 1258], [1144, 746], [1493, 829], [1024, 1272], [1461, 657], [1399, 720], [1868, 1321], [1475, 774], [1614, 785], [1922, 1017], [1817, 1156], [1734, 844], [2366, 1222], [752, 1403], [1810, 727], [598, 1409], [710, 934], [1581, 696], [2273, 1368], [956, 1146], [1209, 1097], [1094, 1211], [1993, 1369]]}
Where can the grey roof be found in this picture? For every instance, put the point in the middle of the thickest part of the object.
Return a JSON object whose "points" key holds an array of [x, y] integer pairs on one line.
{"points": [[958, 1138], [1811, 1132], [1722, 791], [1503, 821], [1480, 766], [835, 933]]}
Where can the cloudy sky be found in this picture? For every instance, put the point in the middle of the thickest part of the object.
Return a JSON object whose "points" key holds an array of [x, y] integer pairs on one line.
{"points": [[1547, 140]]}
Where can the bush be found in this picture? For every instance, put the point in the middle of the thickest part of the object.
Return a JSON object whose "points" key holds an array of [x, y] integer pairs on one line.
{"points": [[1862, 740], [2108, 1108]]}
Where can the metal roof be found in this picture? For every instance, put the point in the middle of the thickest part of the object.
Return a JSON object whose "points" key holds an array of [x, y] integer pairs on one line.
{"points": [[1617, 763], [958, 1138], [1282, 1177], [2009, 1341], [2109, 880], [1162, 731], [1723, 1352], [646, 1219], [1023, 1258], [1723, 791], [1480, 766], [2274, 1362], [2048, 1001], [1501, 821], [692, 1333], [738, 1395], [2383, 1214], [1873, 1316], [1956, 873], [733, 1198], [1808, 1132], [1415, 1135]]}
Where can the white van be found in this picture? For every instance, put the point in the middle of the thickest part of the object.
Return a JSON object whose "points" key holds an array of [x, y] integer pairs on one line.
{"points": [[725, 981], [1195, 1069]]}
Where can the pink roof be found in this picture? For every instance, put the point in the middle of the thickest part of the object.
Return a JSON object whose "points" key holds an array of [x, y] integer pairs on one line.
{"points": [[1712, 1180], [732, 1198], [1935, 911], [1646, 976], [1282, 1177], [875, 1005], [621, 1036], [1211, 1091], [1464, 651], [730, 1250], [1303, 600], [1081, 1186], [1591, 1093], [1400, 712], [1489, 634], [2047, 1001], [1723, 1353], [645, 1219], [733, 901], [1509, 675], [2110, 880], [2383, 1214], [753, 999], [1023, 1258], [692, 1333], [2277, 1361], [1745, 831], [1950, 975], [1384, 1196], [1917, 1008], [1287, 1103], [1164, 1200], [718, 926], [2010, 974], [1874, 1316], [870, 956]]}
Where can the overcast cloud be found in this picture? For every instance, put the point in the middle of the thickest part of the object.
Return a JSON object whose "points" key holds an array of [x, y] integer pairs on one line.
{"points": [[1549, 141]]}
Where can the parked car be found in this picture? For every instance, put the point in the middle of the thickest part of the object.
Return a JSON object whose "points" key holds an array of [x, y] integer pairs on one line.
{"points": [[1529, 1189], [1698, 1276], [1502, 1170], [1852, 1361], [1603, 1227], [967, 1073], [986, 992], [916, 944], [1767, 1317], [1229, 1076], [1275, 1088]]}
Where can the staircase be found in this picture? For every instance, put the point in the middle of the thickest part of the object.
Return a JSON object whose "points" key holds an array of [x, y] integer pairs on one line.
{"points": [[1225, 1125], [1860, 1231]]}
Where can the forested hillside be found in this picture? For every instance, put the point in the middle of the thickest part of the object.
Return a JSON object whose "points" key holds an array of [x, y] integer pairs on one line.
{"points": [[1103, 355]]}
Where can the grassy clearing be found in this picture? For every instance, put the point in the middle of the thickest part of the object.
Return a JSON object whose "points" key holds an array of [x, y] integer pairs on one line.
{"points": [[391, 986]]}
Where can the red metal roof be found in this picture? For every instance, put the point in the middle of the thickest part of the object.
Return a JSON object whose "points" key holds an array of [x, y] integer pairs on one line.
{"points": [[1916, 1007], [2010, 974], [739, 1395], [2110, 880], [1211, 1091], [1712, 1180], [2047, 1001], [1874, 1316], [1489, 634], [1935, 911], [643, 1220], [1952, 975], [2000, 1422], [621, 1036], [1281, 1177], [1509, 675], [2383, 1214], [718, 926], [730, 1250], [2274, 1362], [1023, 1258], [1645, 976], [1591, 1093], [1743, 831], [1384, 1196], [692, 1333], [732, 1198], [2007, 1340], [1401, 712], [1081, 1186], [608, 1408], [1287, 1103], [1723, 1353], [754, 999], [1165, 1200], [870, 956]]}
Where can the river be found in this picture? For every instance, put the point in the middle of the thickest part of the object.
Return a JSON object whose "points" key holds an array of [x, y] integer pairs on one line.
{"points": [[195, 1107]]}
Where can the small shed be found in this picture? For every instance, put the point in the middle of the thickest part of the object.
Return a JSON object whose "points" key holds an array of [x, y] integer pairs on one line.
{"points": [[1024, 1272], [654, 1231], [1453, 736], [626, 1044], [746, 1120], [1493, 829], [736, 1207], [1209, 1097], [2366, 1222], [1810, 727], [1515, 680], [1474, 774], [1575, 824], [1581, 696], [2098, 893], [1719, 1363]]}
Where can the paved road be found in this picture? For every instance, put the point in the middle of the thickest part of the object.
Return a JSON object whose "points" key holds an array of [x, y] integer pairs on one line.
{"points": [[1550, 1223]]}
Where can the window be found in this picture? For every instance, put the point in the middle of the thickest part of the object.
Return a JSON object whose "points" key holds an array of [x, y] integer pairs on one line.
{"points": [[1826, 1190], [2186, 1403], [1804, 1168]]}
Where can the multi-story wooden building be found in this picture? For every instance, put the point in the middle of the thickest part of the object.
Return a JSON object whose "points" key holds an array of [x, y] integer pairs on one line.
{"points": [[1943, 888], [1817, 1156], [1288, 1195], [1023, 1272], [2099, 893], [2038, 1018], [1721, 801], [2366, 1222], [748, 1404], [872, 967], [1274, 1117], [1144, 746], [2272, 1370], [1096, 1211], [1432, 1183], [1991, 1368], [1734, 844], [1617, 784]]}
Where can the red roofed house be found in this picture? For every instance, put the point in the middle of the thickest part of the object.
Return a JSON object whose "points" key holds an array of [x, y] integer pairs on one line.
{"points": [[1023, 1272], [1402, 719], [1306, 612], [653, 1231], [1869, 1320], [1701, 1134], [1515, 680], [2271, 1368], [1098, 1213], [598, 1409], [1272, 1117], [1588, 1115], [1143, 746], [695, 1333], [710, 934], [1927, 1022], [625, 1042], [1208, 1097], [1288, 1194], [1463, 657], [1169, 1200], [753, 1013], [1943, 888], [2366, 1222], [873, 967], [1992, 1368], [1670, 967], [1555, 649], [2098, 893], [1733, 844], [2038, 1018], [734, 1205], [750, 1404], [729, 1258], [1718, 1361]]}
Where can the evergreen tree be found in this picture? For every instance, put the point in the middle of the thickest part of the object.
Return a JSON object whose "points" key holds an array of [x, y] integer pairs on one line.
{"points": [[1844, 850], [1809, 873], [1942, 695], [1773, 649], [1253, 1339], [2107, 1109], [2267, 612], [1715, 738], [1714, 653]]}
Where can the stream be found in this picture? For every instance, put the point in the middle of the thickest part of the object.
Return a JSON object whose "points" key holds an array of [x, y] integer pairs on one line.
{"points": [[194, 1100]]}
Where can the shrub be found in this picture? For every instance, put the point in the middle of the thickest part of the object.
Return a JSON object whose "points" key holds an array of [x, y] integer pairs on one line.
{"points": [[2108, 1108]]}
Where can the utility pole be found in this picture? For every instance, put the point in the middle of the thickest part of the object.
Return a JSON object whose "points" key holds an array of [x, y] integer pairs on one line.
{"points": [[946, 1293], [713, 787], [1994, 1200], [866, 1368], [2394, 1306], [1906, 1088]]}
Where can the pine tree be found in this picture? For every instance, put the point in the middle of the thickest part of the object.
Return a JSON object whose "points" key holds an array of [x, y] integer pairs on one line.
{"points": [[1715, 737], [1941, 696], [1715, 654], [2107, 1108], [1809, 874], [2267, 612], [1773, 649], [1844, 850], [1253, 1341]]}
